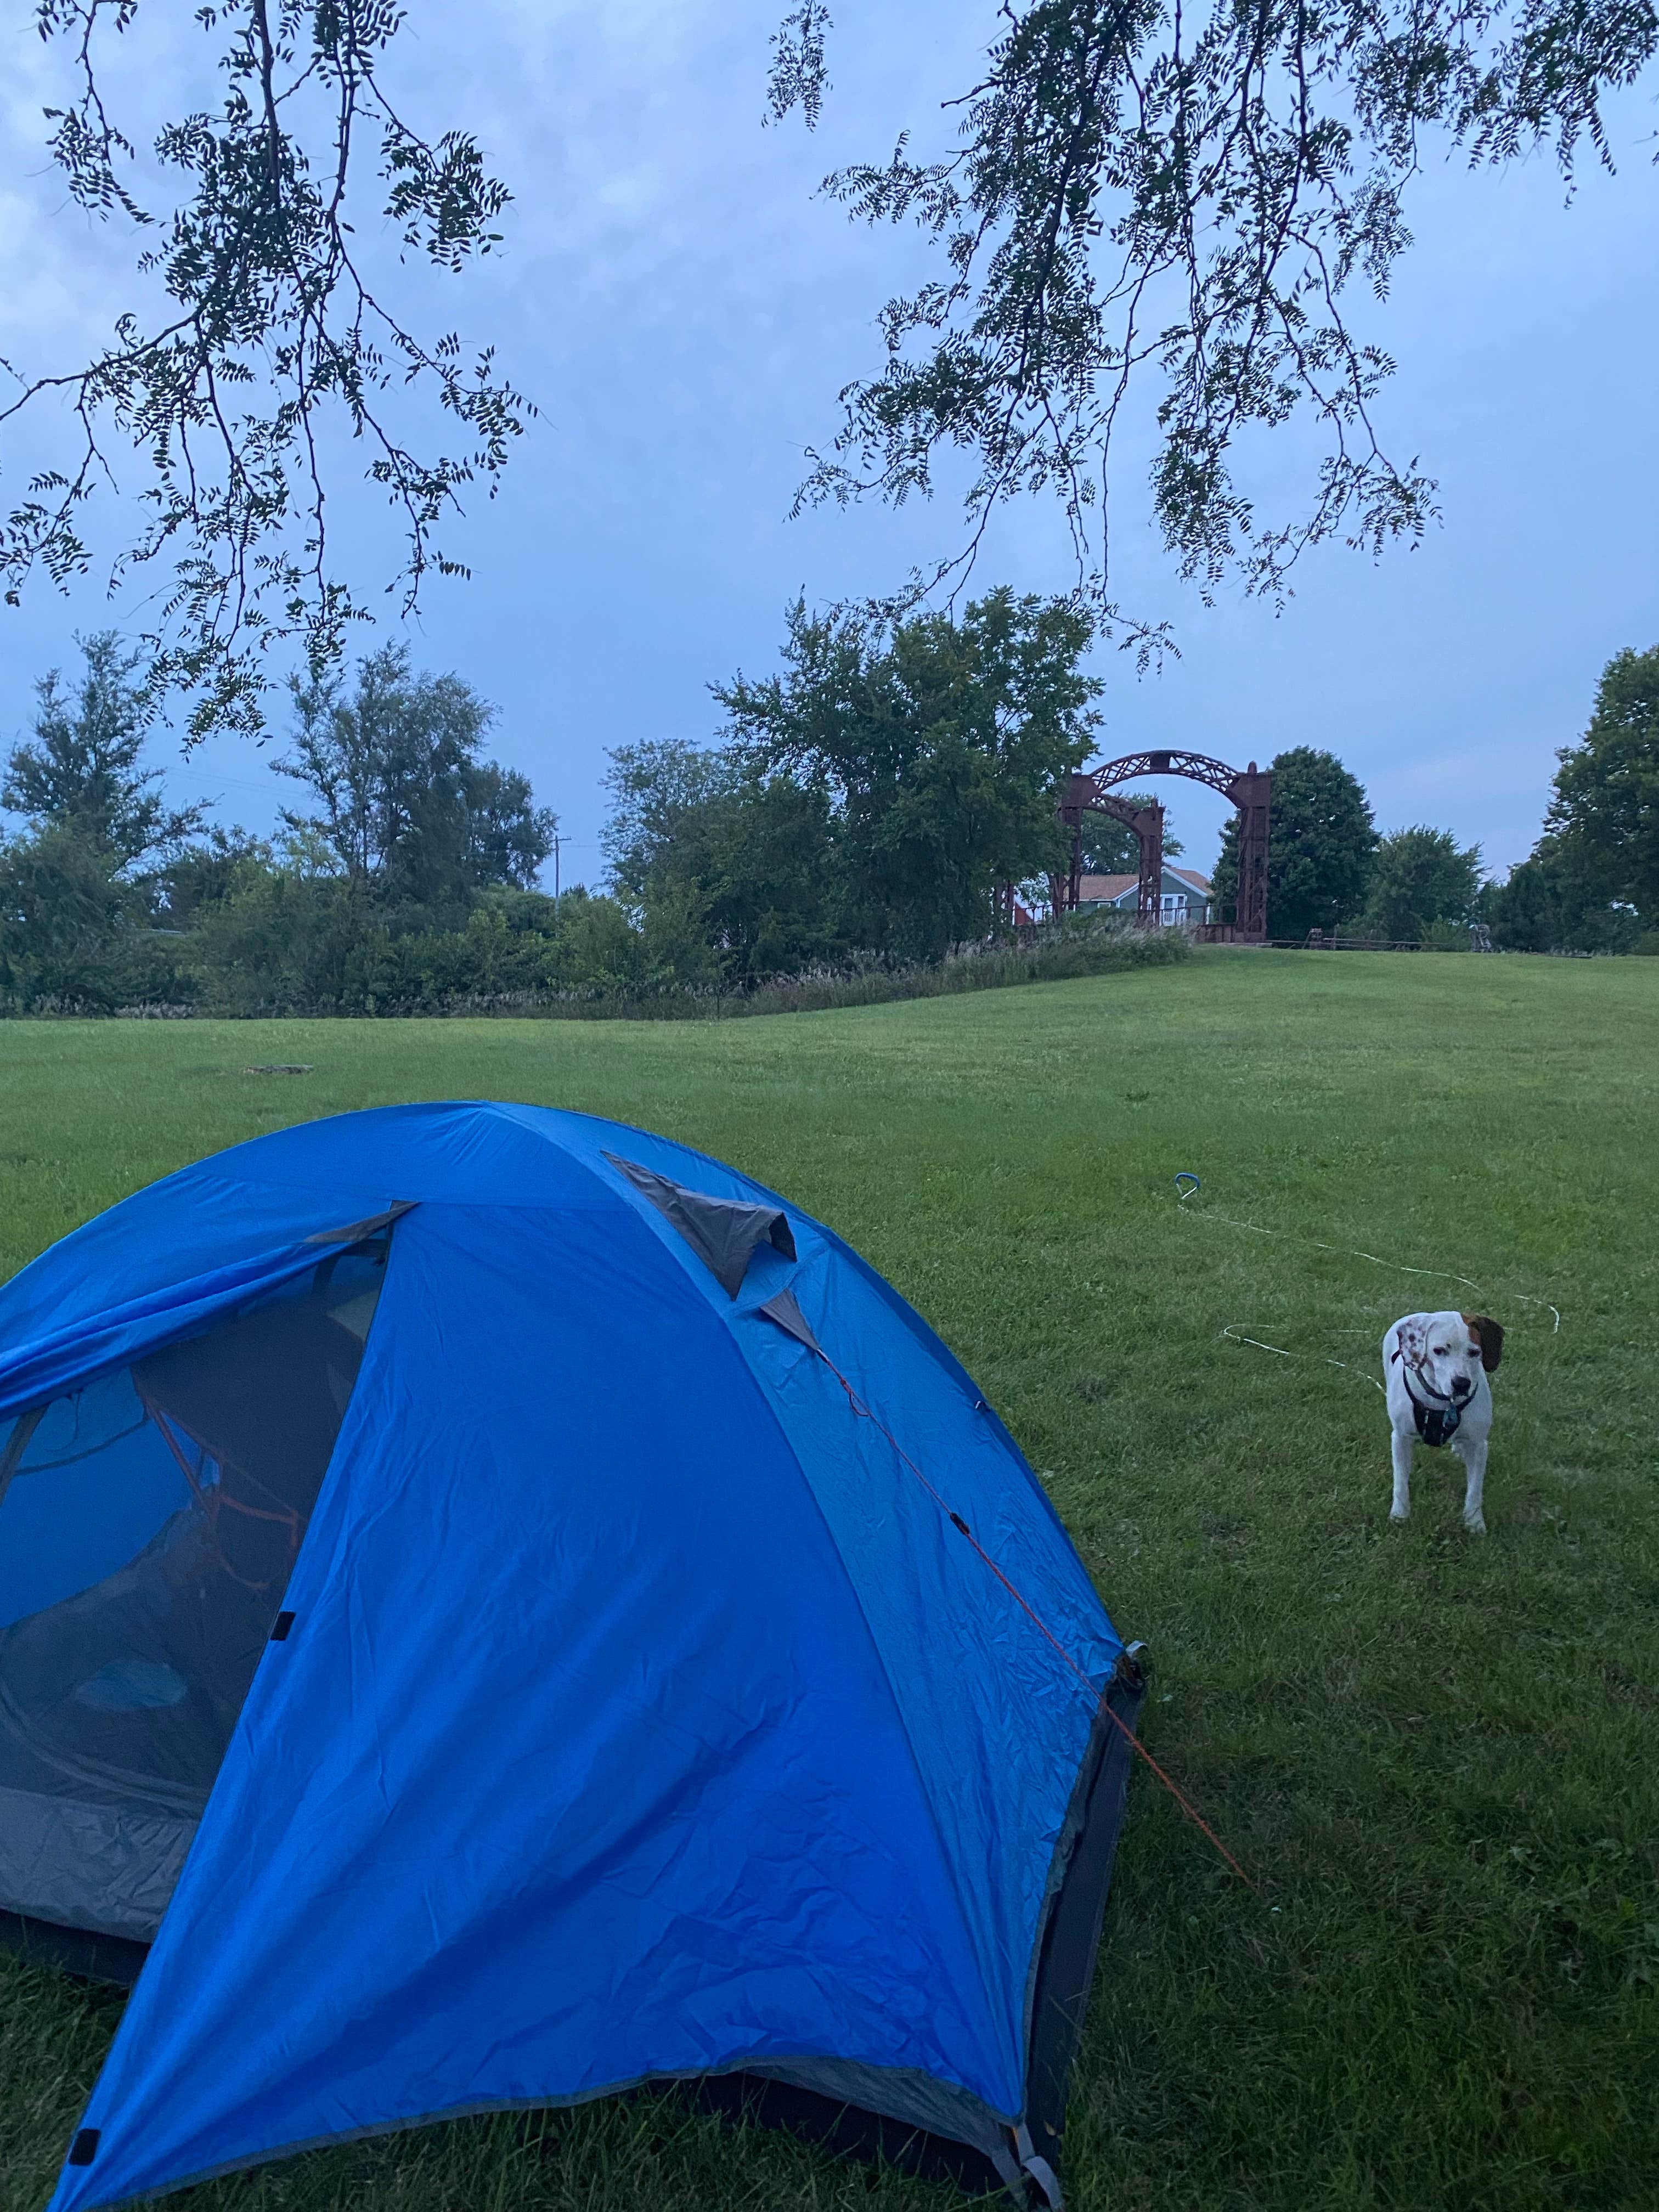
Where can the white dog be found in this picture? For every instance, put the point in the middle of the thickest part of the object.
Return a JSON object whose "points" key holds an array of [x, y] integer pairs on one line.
{"points": [[1436, 1366]]}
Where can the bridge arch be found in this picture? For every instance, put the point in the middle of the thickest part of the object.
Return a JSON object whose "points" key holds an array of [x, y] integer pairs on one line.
{"points": [[1250, 789]]}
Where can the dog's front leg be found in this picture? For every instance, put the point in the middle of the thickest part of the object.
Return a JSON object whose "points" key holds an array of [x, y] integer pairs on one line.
{"points": [[1401, 1508], [1474, 1462]]}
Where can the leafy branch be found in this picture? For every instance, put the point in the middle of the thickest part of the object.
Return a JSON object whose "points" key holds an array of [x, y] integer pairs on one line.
{"points": [[271, 325], [1142, 193]]}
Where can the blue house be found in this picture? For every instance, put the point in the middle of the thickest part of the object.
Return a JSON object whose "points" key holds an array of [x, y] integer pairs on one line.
{"points": [[1184, 901]]}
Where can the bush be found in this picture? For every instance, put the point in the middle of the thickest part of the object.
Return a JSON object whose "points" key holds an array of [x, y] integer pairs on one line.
{"points": [[284, 944], [277, 943], [75, 936]]}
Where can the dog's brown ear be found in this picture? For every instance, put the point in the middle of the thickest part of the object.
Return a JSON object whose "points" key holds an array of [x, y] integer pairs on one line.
{"points": [[1489, 1335]]}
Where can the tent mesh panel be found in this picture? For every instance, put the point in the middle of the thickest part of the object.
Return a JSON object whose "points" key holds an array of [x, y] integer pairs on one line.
{"points": [[149, 1521]]}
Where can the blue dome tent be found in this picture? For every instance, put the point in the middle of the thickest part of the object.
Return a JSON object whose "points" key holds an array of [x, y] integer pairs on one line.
{"points": [[496, 1608]]}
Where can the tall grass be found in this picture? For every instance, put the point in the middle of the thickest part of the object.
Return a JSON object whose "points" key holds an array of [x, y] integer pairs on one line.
{"points": [[1060, 955]]}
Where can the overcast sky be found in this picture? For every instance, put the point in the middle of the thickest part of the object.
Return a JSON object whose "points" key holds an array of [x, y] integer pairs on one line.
{"points": [[683, 310]]}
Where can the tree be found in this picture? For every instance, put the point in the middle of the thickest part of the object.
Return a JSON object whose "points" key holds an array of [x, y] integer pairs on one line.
{"points": [[277, 333], [1591, 884], [940, 746], [81, 772], [60, 904], [1524, 914], [1420, 876], [759, 865], [1320, 841], [1111, 848], [652, 788], [1140, 191], [1605, 811], [747, 858], [509, 836], [408, 810], [205, 873]]}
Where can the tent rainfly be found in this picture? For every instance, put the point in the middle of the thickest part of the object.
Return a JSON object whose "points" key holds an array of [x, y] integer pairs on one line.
{"points": [[495, 1610]]}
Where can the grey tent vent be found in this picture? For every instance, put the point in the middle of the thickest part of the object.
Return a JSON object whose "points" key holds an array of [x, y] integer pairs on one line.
{"points": [[786, 1313], [358, 1232], [725, 1233]]}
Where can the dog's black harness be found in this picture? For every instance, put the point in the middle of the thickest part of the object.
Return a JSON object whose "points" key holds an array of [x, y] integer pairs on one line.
{"points": [[1435, 1424]]}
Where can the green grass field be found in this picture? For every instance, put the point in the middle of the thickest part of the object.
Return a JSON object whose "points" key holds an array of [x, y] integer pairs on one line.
{"points": [[1438, 1756]]}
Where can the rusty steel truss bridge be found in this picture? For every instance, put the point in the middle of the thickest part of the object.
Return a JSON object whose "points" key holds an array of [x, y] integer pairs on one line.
{"points": [[1250, 789]]}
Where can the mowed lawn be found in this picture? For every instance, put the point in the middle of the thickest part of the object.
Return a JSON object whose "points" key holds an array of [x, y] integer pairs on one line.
{"points": [[1438, 1756]]}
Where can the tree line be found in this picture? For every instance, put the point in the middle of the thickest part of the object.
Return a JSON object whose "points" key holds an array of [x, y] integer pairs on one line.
{"points": [[405, 831], [864, 803], [1329, 869], [870, 797], [1590, 884], [868, 802]]}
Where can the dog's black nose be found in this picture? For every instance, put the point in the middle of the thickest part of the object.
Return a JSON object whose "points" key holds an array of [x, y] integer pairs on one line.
{"points": [[1461, 1386]]}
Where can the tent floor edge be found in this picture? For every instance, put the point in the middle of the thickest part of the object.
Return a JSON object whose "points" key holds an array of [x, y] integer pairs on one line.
{"points": [[1064, 1972], [840, 2127], [844, 2130], [82, 1952], [835, 2124]]}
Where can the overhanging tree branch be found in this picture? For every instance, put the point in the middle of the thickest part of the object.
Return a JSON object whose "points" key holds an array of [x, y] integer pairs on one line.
{"points": [[272, 325], [1117, 175]]}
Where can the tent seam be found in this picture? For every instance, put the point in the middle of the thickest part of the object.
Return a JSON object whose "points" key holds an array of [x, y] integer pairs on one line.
{"points": [[886, 1673]]}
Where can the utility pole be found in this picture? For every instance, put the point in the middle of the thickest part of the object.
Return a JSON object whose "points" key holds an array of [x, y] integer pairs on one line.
{"points": [[558, 839]]}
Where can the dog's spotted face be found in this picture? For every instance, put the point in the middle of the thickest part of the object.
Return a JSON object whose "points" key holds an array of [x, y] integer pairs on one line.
{"points": [[1450, 1352]]}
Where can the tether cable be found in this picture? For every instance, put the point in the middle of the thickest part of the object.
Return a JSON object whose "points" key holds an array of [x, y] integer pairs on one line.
{"points": [[1238, 1336], [1344, 1251], [1096, 1697]]}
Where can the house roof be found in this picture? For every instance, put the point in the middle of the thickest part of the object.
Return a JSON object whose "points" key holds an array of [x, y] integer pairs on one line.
{"points": [[1106, 888]]}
